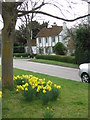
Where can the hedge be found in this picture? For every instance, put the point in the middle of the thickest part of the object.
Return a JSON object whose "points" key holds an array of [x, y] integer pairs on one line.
{"points": [[21, 54], [19, 49], [60, 58]]}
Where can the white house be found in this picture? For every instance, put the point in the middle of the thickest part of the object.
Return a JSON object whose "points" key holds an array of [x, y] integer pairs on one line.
{"points": [[48, 37], [33, 47]]}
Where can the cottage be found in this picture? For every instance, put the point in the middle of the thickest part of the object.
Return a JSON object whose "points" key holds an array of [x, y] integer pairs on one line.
{"points": [[33, 47], [48, 37]]}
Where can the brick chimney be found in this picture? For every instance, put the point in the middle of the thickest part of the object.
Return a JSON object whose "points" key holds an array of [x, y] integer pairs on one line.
{"points": [[54, 24]]}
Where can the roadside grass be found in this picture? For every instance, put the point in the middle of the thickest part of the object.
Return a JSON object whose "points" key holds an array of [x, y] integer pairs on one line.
{"points": [[0, 79], [55, 63], [72, 102]]}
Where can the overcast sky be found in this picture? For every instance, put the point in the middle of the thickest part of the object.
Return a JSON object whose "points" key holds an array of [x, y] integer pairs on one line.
{"points": [[69, 10]]}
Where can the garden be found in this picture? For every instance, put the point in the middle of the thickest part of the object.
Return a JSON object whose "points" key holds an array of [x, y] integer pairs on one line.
{"points": [[42, 96]]}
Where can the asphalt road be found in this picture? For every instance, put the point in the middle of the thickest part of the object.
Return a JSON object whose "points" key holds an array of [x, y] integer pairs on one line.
{"points": [[53, 70]]}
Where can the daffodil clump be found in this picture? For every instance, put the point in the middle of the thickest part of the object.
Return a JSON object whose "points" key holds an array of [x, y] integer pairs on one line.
{"points": [[32, 86], [0, 94]]}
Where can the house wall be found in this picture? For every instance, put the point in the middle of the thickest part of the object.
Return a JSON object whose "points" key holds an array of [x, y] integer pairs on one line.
{"points": [[33, 49], [46, 46]]}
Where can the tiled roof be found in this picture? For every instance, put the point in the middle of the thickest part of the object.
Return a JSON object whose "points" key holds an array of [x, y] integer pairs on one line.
{"points": [[45, 32]]}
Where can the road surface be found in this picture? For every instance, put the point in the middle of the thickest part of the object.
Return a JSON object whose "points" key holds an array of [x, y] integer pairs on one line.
{"points": [[53, 70]]}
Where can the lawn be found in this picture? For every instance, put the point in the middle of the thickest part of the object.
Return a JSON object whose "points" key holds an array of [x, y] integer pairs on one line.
{"points": [[55, 63], [0, 79], [71, 103]]}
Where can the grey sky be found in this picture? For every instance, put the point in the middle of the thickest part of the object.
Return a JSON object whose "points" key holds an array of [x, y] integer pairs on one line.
{"points": [[75, 7]]}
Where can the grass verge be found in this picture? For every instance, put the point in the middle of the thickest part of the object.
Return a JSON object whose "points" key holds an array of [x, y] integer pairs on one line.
{"points": [[72, 102], [55, 63]]}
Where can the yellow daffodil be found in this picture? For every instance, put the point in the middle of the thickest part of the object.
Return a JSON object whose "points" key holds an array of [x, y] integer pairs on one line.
{"points": [[26, 84], [34, 82], [42, 82], [38, 82], [58, 87], [33, 86], [22, 88], [44, 88], [44, 91], [38, 90], [55, 85], [48, 87], [26, 89], [17, 90], [18, 87], [0, 94], [22, 81]]}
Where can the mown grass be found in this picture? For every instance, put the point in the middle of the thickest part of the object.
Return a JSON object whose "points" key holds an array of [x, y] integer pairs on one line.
{"points": [[0, 79], [55, 63], [72, 102]]}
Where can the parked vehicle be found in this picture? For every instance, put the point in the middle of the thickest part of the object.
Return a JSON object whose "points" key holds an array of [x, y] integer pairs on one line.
{"points": [[84, 72]]}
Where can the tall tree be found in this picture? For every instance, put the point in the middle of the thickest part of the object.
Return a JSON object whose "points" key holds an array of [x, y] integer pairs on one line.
{"points": [[82, 44], [21, 34], [10, 13], [28, 24]]}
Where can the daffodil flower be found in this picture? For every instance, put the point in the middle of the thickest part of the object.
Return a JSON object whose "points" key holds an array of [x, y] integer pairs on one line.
{"points": [[0, 94]]}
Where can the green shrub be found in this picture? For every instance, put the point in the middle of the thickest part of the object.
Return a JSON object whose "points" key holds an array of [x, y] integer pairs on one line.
{"points": [[60, 58], [60, 49], [21, 55], [82, 44], [19, 49]]}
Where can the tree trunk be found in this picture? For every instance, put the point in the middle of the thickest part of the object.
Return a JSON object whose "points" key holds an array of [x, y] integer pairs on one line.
{"points": [[7, 59], [7, 46], [29, 44]]}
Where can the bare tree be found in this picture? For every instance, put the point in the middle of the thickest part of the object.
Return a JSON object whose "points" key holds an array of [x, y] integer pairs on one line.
{"points": [[10, 12], [27, 22]]}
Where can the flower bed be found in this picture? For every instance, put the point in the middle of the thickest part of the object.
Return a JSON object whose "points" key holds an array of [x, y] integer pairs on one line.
{"points": [[31, 87]]}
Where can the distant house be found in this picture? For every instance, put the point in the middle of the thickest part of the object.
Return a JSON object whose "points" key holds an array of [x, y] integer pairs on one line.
{"points": [[48, 37], [33, 47]]}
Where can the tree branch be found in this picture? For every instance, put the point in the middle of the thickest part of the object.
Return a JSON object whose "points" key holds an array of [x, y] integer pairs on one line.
{"points": [[19, 2], [39, 6], [40, 12]]}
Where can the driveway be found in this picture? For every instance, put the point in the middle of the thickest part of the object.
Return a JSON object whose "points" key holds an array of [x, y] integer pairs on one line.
{"points": [[53, 70]]}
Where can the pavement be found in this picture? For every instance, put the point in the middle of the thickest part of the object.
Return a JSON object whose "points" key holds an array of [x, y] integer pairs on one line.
{"points": [[53, 70]]}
